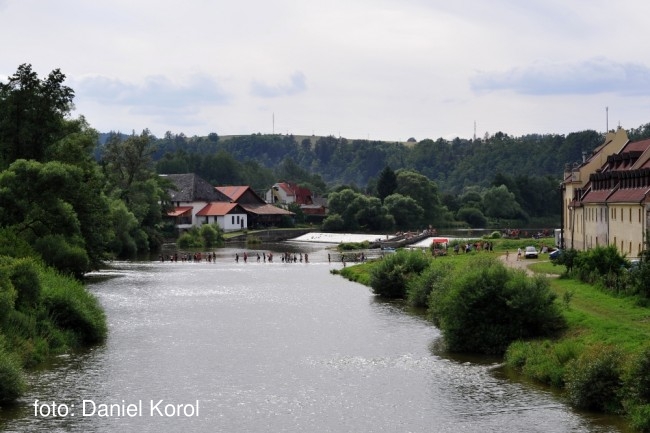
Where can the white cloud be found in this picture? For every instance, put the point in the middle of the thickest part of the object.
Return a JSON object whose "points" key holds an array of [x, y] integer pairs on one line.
{"points": [[297, 84], [591, 76], [384, 69]]}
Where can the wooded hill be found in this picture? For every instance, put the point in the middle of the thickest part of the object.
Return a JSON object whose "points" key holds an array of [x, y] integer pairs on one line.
{"points": [[454, 165]]}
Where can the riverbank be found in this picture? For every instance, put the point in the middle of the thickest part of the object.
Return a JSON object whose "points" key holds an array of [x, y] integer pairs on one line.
{"points": [[42, 314], [603, 348]]}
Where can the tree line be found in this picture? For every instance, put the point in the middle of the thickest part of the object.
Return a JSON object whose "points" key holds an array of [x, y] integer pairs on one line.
{"points": [[69, 209]]}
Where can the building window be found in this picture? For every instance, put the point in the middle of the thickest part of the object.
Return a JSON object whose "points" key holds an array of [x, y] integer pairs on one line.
{"points": [[233, 219]]}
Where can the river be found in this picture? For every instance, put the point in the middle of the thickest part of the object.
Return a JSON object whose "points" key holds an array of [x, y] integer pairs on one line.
{"points": [[232, 347]]}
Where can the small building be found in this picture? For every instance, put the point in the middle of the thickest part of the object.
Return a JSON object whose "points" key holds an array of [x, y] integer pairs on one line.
{"points": [[260, 213], [229, 216], [286, 193], [195, 202]]}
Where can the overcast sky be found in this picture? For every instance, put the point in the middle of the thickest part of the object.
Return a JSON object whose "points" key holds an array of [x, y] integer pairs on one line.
{"points": [[377, 69]]}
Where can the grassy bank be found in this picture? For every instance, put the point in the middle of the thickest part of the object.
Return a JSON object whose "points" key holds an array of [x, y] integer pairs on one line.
{"points": [[42, 313], [601, 361]]}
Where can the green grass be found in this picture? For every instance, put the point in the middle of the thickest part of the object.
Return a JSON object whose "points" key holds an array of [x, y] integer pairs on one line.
{"points": [[547, 267], [598, 317]]}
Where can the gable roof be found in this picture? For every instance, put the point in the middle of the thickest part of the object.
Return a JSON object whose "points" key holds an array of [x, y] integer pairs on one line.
{"points": [[190, 187], [219, 208], [301, 195], [266, 209], [240, 194], [179, 211]]}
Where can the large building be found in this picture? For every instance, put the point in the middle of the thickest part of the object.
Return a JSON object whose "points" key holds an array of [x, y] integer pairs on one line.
{"points": [[606, 198]]}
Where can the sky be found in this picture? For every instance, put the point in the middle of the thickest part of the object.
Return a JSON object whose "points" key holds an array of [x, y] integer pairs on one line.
{"points": [[359, 69]]}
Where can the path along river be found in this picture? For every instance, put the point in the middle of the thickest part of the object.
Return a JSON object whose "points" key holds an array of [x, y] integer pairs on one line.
{"points": [[273, 347]]}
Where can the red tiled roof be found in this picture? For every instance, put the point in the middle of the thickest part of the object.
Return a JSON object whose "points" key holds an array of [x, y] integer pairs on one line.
{"points": [[599, 196], [178, 211], [636, 146], [286, 187], [217, 208], [629, 195], [233, 192]]}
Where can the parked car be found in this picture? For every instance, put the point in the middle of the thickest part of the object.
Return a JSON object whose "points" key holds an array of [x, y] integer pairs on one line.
{"points": [[531, 253], [555, 254], [634, 264]]}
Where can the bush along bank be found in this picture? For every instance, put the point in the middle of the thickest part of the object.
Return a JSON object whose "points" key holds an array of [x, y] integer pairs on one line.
{"points": [[42, 313], [587, 339]]}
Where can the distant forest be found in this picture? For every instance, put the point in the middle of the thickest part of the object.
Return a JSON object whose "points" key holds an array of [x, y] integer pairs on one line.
{"points": [[260, 160], [463, 170]]}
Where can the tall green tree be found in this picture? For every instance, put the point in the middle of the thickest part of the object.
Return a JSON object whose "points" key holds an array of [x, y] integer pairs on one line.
{"points": [[128, 167], [498, 202], [32, 112], [423, 191], [387, 183], [406, 211]]}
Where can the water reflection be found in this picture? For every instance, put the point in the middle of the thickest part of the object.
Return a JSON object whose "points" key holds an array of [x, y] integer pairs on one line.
{"points": [[277, 346]]}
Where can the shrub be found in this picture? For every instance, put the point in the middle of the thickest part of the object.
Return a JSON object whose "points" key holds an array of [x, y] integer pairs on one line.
{"points": [[333, 223], [71, 307], [418, 288], [483, 307], [7, 295], [543, 361], [11, 378], [351, 246], [390, 277], [637, 379], [23, 274], [593, 380], [57, 251], [639, 417], [599, 262], [210, 235]]}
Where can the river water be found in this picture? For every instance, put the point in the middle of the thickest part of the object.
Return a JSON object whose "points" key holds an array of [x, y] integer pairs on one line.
{"points": [[236, 347]]}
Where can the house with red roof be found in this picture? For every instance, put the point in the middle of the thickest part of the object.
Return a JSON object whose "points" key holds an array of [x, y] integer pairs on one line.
{"points": [[195, 202], [285, 193], [260, 213], [606, 198]]}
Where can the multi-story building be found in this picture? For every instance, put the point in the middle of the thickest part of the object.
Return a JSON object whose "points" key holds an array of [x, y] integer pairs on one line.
{"points": [[606, 198]]}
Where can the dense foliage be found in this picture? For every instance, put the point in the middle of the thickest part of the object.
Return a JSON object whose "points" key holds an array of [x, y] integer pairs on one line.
{"points": [[42, 313], [484, 306], [72, 211], [390, 278], [61, 215], [480, 306]]}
